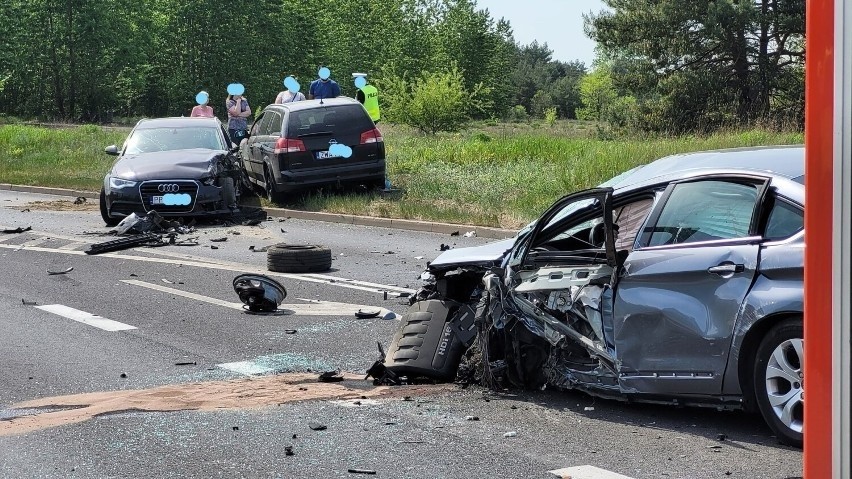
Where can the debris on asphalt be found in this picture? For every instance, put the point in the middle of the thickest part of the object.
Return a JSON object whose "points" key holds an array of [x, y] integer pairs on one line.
{"points": [[714, 446], [167, 281], [262, 249], [470, 234], [330, 377], [25, 210], [288, 450], [219, 240], [316, 426], [80, 200], [510, 434], [235, 233], [367, 313], [66, 271], [28, 303], [126, 243], [363, 471], [471, 418], [721, 437], [235, 428], [184, 242], [588, 408], [418, 257], [123, 375], [212, 246], [445, 247], [17, 230], [290, 331], [186, 363]]}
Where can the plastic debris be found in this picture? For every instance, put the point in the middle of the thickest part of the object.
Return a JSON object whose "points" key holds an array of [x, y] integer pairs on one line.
{"points": [[588, 408], [316, 426], [470, 234], [363, 471], [80, 200], [330, 377], [367, 313], [288, 451], [290, 331], [510, 434], [471, 418], [454, 233], [219, 240], [66, 271], [17, 230], [186, 363], [28, 303]]}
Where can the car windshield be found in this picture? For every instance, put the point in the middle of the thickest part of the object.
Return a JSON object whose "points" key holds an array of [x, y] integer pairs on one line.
{"points": [[167, 139]]}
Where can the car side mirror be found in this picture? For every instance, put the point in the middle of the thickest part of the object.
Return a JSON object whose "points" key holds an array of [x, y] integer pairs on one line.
{"points": [[111, 150]]}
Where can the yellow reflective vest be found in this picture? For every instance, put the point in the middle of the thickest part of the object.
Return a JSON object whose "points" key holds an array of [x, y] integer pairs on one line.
{"points": [[371, 101]]}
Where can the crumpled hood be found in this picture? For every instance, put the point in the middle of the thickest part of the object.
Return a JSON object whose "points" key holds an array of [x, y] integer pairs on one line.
{"points": [[485, 255], [176, 164]]}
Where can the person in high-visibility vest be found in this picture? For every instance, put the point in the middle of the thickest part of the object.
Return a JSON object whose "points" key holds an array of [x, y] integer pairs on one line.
{"points": [[368, 95]]}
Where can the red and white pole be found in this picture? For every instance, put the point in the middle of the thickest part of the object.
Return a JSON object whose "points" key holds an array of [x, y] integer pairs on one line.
{"points": [[828, 255]]}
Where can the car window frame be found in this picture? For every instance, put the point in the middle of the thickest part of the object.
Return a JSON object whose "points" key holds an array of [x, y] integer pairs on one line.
{"points": [[276, 115], [772, 200], [761, 183]]}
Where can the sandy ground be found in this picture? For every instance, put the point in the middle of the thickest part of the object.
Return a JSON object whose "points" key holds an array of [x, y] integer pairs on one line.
{"points": [[80, 204], [208, 396]]}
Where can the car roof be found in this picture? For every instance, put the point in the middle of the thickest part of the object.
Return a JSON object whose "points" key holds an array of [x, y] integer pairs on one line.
{"points": [[311, 104], [785, 162], [177, 122]]}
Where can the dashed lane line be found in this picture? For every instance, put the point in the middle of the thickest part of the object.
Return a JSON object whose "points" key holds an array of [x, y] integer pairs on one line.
{"points": [[85, 318], [309, 308]]}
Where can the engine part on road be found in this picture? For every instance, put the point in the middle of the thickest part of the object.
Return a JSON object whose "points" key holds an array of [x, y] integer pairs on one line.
{"points": [[292, 258]]}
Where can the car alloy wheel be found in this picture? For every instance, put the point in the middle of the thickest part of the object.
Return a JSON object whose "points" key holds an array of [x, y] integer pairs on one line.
{"points": [[780, 381], [269, 187]]}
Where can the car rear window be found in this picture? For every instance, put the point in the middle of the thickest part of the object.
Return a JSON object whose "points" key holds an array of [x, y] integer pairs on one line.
{"points": [[340, 119], [167, 139]]}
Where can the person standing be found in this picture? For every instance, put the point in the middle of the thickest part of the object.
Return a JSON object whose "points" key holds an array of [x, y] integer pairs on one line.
{"points": [[324, 86], [292, 93], [202, 109], [238, 112], [368, 95]]}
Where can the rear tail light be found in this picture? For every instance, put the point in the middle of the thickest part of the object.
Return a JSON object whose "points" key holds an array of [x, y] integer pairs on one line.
{"points": [[288, 145], [372, 136]]}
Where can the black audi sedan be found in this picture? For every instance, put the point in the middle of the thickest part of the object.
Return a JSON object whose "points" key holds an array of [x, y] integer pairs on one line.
{"points": [[178, 167]]}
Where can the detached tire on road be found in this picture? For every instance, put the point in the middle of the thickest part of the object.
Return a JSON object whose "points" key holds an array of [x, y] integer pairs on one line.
{"points": [[294, 258]]}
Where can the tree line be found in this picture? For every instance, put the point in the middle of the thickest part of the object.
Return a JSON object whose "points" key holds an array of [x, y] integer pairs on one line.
{"points": [[697, 64]]}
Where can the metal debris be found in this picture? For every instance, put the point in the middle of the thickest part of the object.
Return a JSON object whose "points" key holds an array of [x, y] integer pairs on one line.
{"points": [[66, 271], [316, 426], [17, 230], [330, 377]]}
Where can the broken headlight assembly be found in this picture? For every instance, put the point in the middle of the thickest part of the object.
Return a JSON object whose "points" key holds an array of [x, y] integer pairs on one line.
{"points": [[259, 294]]}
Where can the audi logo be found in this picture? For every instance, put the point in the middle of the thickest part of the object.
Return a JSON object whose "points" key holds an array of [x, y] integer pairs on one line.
{"points": [[168, 188]]}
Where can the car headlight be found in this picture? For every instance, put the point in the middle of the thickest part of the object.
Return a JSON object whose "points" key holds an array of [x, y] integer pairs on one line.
{"points": [[119, 183]]}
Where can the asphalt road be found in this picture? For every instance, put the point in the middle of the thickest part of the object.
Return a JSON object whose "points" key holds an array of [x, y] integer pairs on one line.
{"points": [[184, 384]]}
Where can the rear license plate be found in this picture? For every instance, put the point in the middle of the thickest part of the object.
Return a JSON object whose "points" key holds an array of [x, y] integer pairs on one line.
{"points": [[324, 155]]}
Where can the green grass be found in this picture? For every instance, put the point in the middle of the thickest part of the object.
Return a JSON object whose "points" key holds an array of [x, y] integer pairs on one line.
{"points": [[492, 174]]}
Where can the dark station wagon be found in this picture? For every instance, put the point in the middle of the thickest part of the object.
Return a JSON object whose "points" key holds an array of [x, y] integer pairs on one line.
{"points": [[291, 147]]}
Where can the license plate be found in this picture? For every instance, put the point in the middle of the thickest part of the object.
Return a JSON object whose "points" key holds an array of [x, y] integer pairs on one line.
{"points": [[324, 155], [172, 199]]}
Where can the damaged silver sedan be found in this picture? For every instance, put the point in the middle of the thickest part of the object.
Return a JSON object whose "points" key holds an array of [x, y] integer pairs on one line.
{"points": [[678, 282], [178, 167]]}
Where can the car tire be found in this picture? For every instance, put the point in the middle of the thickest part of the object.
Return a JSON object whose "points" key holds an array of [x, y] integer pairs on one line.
{"points": [[269, 187], [105, 213], [229, 193], [779, 381], [293, 258]]}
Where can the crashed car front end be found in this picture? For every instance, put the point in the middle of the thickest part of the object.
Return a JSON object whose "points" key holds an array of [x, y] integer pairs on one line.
{"points": [[207, 183]]}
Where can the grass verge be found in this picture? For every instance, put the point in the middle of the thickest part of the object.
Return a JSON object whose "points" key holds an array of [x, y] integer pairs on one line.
{"points": [[500, 175]]}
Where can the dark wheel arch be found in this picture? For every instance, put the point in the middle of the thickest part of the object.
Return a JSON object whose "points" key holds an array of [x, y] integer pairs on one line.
{"points": [[105, 212]]}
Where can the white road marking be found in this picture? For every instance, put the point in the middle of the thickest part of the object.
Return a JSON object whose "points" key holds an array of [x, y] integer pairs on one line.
{"points": [[587, 472], [33, 242], [85, 318], [72, 246], [320, 278], [318, 308], [236, 267]]}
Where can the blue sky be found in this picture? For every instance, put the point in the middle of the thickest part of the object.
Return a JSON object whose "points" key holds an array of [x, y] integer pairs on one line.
{"points": [[559, 23]]}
